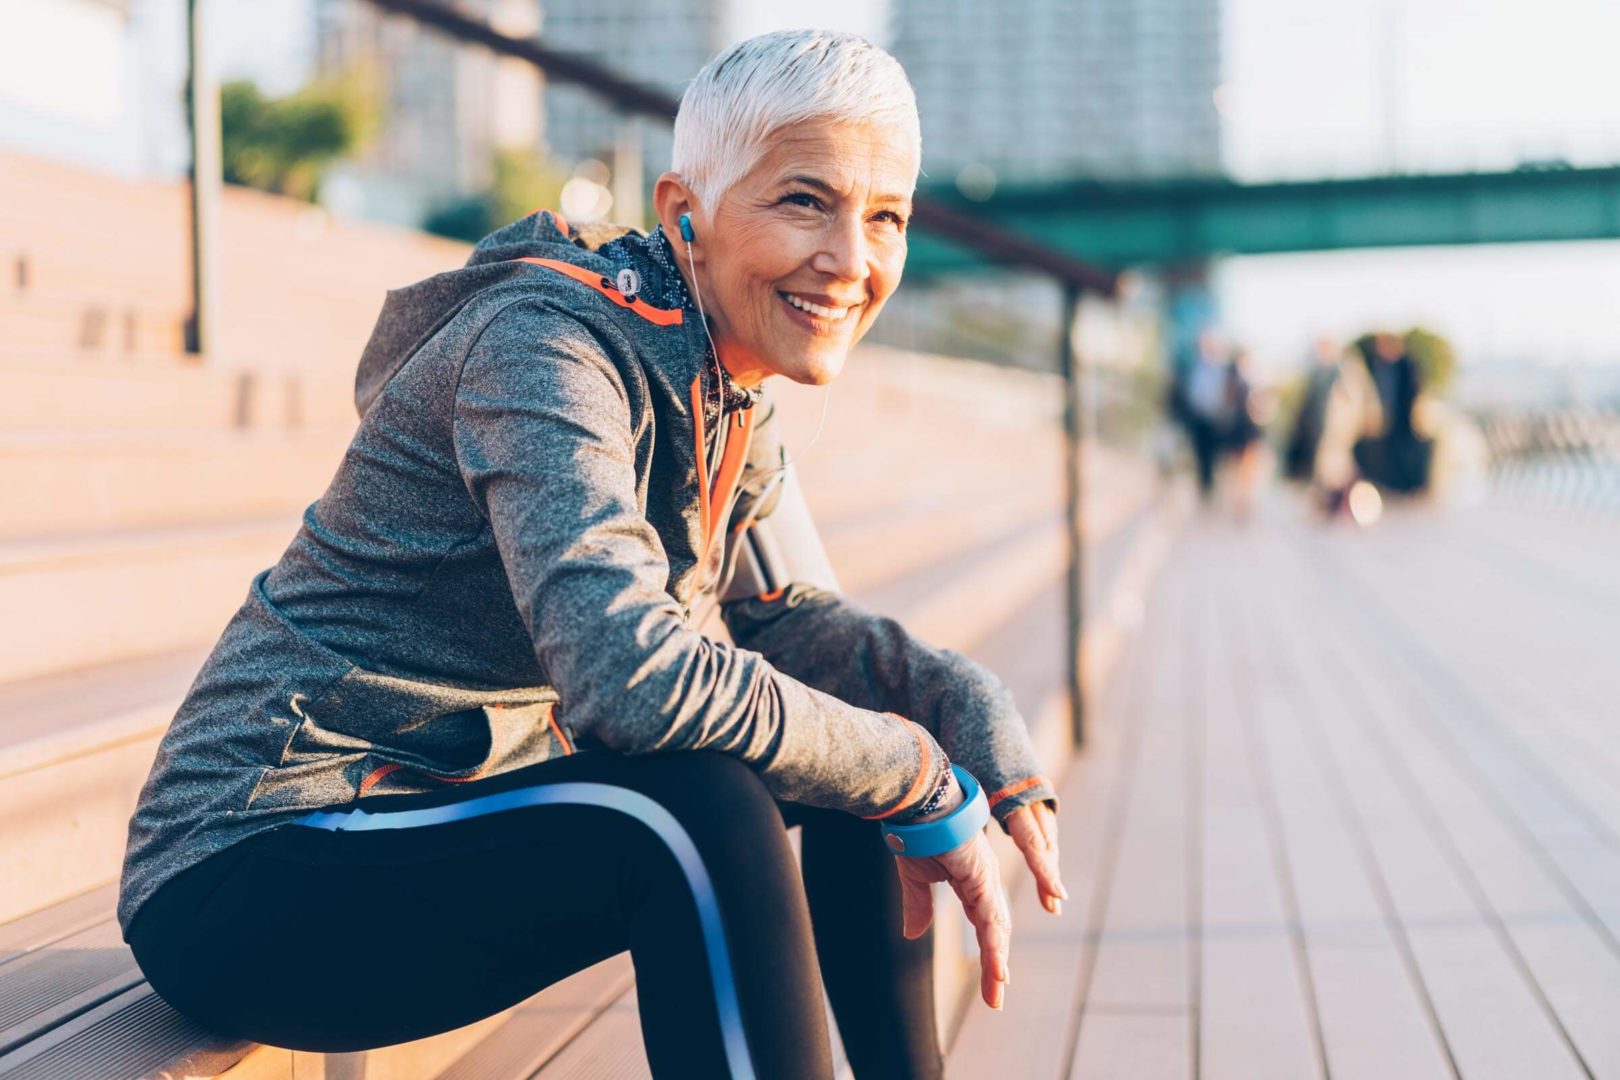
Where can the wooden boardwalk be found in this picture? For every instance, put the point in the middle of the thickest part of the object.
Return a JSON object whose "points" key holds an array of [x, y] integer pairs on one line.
{"points": [[1349, 808]]}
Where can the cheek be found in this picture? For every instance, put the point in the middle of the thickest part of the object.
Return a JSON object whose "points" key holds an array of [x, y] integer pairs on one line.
{"points": [[886, 272], [768, 251], [776, 251]]}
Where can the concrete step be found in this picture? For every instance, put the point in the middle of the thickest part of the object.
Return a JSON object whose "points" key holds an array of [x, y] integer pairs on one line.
{"points": [[74, 752], [64, 481], [88, 323], [73, 1004], [54, 389], [100, 598], [112, 241]]}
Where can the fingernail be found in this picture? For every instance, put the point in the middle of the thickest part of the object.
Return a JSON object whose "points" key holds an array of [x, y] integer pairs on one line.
{"points": [[1063, 890], [1057, 907]]}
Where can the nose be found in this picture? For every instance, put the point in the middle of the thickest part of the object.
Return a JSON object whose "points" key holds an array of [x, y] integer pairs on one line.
{"points": [[845, 253]]}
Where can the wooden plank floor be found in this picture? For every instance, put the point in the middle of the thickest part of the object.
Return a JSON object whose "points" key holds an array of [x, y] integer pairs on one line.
{"points": [[1350, 808]]}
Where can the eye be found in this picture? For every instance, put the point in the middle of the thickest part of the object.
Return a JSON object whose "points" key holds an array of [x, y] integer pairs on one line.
{"points": [[808, 200], [898, 220]]}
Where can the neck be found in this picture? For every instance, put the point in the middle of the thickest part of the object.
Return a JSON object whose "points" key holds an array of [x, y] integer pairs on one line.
{"points": [[746, 369]]}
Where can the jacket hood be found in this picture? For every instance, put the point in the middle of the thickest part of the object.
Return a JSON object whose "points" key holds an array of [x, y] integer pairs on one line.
{"points": [[412, 314]]}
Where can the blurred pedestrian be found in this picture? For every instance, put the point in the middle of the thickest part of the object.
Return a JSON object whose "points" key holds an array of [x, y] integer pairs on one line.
{"points": [[1243, 430], [1206, 409], [1351, 414], [1299, 458], [1397, 458]]}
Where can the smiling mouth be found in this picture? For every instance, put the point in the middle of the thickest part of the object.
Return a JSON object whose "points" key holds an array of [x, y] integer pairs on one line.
{"points": [[816, 311]]}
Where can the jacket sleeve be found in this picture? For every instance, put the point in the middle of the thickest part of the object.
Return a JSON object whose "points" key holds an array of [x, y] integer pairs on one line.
{"points": [[543, 428], [824, 639]]}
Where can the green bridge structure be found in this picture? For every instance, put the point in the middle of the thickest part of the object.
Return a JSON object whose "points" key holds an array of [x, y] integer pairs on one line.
{"points": [[1180, 222]]}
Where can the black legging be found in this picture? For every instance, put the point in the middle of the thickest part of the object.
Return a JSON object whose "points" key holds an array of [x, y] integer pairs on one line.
{"points": [[317, 940]]}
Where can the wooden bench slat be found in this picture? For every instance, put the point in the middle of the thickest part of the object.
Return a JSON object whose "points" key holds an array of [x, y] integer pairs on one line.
{"points": [[1257, 1009], [132, 1034], [1048, 954], [1145, 955], [23, 935], [1490, 1014], [1496, 805], [538, 1029], [1138, 1045], [609, 1049], [1373, 1014], [58, 981]]}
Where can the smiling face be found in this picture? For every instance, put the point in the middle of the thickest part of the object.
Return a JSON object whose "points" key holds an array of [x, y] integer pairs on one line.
{"points": [[802, 252]]}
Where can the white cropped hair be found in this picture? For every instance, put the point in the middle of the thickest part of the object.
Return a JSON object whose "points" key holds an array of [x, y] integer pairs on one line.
{"points": [[757, 86]]}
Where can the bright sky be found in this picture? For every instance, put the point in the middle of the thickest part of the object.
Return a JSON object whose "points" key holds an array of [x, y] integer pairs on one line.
{"points": [[1362, 86], [1358, 86]]}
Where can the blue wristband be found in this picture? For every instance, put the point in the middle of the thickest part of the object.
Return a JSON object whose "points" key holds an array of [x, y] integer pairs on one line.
{"points": [[951, 831]]}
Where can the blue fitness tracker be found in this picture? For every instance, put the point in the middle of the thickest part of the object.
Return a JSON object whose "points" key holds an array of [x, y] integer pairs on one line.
{"points": [[951, 831]]}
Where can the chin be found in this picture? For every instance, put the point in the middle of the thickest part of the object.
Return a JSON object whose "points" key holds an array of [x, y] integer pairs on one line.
{"points": [[812, 369], [821, 370]]}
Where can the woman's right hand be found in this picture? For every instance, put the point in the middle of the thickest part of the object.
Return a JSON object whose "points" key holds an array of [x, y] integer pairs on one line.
{"points": [[972, 870]]}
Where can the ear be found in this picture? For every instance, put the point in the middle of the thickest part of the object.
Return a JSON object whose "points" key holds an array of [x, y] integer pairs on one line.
{"points": [[671, 199]]}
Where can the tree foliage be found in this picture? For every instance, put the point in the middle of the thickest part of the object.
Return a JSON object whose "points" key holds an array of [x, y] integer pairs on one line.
{"points": [[283, 145], [523, 182]]}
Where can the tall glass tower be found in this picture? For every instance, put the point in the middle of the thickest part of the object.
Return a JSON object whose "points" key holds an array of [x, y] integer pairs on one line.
{"points": [[1048, 89]]}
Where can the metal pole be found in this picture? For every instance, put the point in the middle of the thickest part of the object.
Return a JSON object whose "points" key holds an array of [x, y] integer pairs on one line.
{"points": [[1073, 423], [203, 113], [627, 199]]}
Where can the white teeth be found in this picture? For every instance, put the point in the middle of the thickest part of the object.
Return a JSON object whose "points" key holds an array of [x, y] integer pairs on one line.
{"points": [[816, 309]]}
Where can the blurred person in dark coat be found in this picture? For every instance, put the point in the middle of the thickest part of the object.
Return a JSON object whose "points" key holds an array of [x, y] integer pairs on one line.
{"points": [[1397, 458]]}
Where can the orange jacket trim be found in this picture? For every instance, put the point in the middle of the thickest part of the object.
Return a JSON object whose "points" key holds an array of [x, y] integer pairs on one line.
{"points": [[377, 774], [922, 773], [655, 315], [1013, 789], [551, 717], [731, 464], [714, 495]]}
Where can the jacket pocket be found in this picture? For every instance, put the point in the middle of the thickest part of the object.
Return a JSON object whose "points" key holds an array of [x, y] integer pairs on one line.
{"points": [[385, 733]]}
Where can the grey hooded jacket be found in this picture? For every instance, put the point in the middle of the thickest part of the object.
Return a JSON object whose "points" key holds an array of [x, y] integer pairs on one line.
{"points": [[504, 569]]}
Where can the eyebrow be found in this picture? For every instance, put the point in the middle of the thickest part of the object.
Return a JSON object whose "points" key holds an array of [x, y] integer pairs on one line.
{"points": [[817, 182]]}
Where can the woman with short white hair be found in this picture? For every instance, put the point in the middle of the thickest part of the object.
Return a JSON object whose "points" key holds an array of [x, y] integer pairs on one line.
{"points": [[467, 736]]}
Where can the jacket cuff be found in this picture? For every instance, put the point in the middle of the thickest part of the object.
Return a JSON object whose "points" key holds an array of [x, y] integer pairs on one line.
{"points": [[934, 766], [1020, 793]]}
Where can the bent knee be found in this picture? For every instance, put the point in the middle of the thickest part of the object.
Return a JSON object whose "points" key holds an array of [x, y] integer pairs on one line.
{"points": [[712, 793], [713, 778]]}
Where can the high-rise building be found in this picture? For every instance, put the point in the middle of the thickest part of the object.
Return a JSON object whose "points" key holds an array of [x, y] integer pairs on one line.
{"points": [[661, 45], [1047, 89], [449, 106]]}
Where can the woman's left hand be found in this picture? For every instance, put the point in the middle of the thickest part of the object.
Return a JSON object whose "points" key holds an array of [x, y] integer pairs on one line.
{"points": [[1034, 829]]}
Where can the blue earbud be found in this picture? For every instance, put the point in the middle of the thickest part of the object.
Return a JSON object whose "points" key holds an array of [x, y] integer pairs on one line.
{"points": [[686, 228]]}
